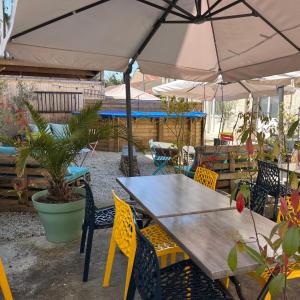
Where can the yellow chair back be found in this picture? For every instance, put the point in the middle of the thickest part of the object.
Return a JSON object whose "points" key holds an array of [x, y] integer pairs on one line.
{"points": [[291, 215], [206, 177], [123, 236], [4, 283], [124, 228]]}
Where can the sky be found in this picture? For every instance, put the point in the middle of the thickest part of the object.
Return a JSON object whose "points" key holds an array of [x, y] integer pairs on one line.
{"points": [[119, 75]]}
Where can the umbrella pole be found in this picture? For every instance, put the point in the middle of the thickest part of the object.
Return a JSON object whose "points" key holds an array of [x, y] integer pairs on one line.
{"points": [[129, 123], [280, 91]]}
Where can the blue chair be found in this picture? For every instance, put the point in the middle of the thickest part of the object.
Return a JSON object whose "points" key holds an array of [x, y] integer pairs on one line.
{"points": [[95, 218], [160, 161], [182, 280]]}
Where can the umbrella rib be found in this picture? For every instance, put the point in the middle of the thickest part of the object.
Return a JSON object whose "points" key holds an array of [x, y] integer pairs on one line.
{"points": [[231, 17], [180, 9], [243, 85], [210, 8], [155, 27], [64, 16], [214, 37], [271, 25], [184, 16]]}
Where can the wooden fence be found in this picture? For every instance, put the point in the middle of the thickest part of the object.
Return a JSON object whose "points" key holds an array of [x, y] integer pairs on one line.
{"points": [[57, 102], [230, 162]]}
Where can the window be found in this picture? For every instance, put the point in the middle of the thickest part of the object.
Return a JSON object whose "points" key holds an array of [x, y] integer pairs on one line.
{"points": [[269, 106]]}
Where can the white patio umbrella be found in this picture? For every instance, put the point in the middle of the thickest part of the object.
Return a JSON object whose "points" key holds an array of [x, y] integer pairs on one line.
{"points": [[119, 92], [281, 79], [218, 91], [183, 39]]}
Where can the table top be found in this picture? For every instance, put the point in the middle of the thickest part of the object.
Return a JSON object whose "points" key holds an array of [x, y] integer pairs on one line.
{"points": [[207, 238], [164, 145], [173, 195], [293, 167]]}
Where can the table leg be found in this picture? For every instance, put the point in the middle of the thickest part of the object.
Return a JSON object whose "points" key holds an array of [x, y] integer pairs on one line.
{"points": [[84, 158], [237, 287]]}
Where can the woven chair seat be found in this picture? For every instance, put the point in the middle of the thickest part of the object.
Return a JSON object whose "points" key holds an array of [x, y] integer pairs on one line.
{"points": [[184, 280], [104, 217], [160, 240]]}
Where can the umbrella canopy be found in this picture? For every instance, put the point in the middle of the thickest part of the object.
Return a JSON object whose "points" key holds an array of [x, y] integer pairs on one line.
{"points": [[218, 91], [281, 79], [119, 92], [184, 39]]}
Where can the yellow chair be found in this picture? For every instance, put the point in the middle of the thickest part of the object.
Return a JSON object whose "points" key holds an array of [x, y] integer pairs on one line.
{"points": [[4, 283], [163, 244], [291, 215], [206, 177], [124, 235]]}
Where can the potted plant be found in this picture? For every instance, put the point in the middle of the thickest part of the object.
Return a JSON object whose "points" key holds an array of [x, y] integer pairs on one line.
{"points": [[60, 207]]}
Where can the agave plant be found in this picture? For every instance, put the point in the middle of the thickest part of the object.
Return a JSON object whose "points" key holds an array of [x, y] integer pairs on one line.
{"points": [[56, 151]]}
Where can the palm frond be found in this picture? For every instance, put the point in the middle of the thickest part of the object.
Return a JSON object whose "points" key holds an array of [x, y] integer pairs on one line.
{"points": [[8, 140], [21, 160], [36, 117], [88, 118]]}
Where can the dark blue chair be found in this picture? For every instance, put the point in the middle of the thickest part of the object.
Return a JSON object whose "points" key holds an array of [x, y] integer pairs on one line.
{"points": [[95, 218], [182, 280], [268, 177], [259, 196]]}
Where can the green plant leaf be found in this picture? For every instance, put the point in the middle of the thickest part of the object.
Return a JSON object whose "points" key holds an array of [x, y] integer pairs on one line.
{"points": [[260, 270], [233, 194], [276, 149], [277, 243], [277, 284], [292, 129], [245, 136], [36, 117], [268, 240], [291, 240], [293, 180], [232, 259], [255, 255]]}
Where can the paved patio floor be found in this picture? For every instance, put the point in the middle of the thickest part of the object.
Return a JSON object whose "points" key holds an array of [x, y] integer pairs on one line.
{"points": [[39, 270]]}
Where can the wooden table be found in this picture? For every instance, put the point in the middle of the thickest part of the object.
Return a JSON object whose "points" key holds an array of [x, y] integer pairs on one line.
{"points": [[173, 195], [201, 221], [208, 238]]}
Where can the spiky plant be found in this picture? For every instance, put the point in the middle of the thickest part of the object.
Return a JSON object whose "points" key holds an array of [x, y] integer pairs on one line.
{"points": [[55, 152]]}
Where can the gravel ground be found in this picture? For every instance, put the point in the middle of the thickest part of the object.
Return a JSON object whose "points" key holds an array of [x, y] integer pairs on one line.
{"points": [[104, 168]]}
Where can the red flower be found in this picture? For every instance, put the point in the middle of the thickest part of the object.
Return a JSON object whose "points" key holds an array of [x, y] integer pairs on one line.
{"points": [[240, 202], [249, 146]]}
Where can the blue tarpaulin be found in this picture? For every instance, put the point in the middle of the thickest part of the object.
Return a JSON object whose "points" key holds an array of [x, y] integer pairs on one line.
{"points": [[149, 115]]}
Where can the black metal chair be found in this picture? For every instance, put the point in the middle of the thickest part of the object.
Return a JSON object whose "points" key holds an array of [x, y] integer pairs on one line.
{"points": [[258, 197], [268, 177], [95, 218], [182, 280]]}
